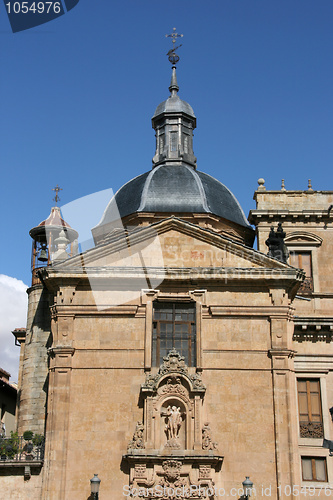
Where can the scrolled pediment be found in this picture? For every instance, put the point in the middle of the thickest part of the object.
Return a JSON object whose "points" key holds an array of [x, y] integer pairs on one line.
{"points": [[173, 366]]}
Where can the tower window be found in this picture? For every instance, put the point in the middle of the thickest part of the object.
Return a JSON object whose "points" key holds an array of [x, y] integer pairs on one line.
{"points": [[174, 327], [314, 469], [173, 141], [309, 404], [186, 142], [161, 143]]}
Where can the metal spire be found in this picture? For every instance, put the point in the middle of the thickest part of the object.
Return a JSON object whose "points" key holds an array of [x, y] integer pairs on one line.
{"points": [[56, 198], [173, 85], [173, 58]]}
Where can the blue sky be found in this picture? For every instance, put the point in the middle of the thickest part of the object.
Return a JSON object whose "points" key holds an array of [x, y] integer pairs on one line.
{"points": [[79, 92]]}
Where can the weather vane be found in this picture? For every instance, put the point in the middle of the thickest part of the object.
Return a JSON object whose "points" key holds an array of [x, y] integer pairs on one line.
{"points": [[172, 56], [56, 189]]}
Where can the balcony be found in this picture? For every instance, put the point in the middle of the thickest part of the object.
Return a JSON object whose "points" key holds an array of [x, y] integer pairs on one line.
{"points": [[18, 452]]}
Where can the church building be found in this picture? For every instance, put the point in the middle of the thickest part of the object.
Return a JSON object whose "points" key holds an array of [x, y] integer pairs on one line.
{"points": [[173, 359]]}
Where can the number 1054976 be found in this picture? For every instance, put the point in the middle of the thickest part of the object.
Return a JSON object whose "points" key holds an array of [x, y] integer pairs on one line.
{"points": [[34, 8]]}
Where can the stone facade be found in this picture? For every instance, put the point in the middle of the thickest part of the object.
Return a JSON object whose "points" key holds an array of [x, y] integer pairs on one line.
{"points": [[173, 355], [255, 335]]}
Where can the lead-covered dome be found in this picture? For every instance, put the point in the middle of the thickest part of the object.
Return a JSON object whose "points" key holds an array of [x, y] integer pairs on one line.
{"points": [[174, 189], [174, 104]]}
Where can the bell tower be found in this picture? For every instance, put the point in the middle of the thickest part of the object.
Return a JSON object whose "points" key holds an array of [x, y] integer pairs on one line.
{"points": [[53, 240]]}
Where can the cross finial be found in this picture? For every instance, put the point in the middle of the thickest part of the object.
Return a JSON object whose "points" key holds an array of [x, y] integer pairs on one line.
{"points": [[173, 57], [174, 36], [56, 189]]}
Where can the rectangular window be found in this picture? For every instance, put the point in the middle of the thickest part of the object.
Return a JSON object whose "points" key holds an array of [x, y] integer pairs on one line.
{"points": [[161, 143], [314, 469], [173, 140], [302, 260], [174, 327], [309, 405], [186, 142]]}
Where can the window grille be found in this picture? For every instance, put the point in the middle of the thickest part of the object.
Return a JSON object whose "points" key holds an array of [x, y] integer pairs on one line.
{"points": [[174, 327]]}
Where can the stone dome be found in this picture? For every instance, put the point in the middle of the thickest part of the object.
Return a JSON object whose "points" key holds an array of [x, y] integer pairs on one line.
{"points": [[174, 189]]}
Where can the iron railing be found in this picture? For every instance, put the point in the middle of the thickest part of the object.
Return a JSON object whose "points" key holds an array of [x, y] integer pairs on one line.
{"points": [[17, 449]]}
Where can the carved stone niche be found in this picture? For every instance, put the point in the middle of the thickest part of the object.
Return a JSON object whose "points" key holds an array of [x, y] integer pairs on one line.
{"points": [[172, 446]]}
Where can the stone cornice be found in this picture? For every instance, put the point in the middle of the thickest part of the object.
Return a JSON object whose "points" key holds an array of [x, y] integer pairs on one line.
{"points": [[177, 273], [314, 321], [86, 310], [269, 216], [188, 456]]}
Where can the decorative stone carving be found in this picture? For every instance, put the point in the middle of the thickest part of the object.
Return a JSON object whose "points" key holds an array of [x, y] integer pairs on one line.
{"points": [[173, 363], [205, 472], [311, 430], [140, 471], [172, 415], [137, 441], [173, 479], [172, 470], [207, 442], [173, 385], [306, 286]]}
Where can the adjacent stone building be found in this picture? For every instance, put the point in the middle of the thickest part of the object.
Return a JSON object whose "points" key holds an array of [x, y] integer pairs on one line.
{"points": [[173, 358], [8, 393]]}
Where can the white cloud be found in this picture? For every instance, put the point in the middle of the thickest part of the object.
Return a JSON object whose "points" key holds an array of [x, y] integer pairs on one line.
{"points": [[13, 314]]}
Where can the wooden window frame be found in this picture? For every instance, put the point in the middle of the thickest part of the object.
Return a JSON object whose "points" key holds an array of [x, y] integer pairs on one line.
{"points": [[310, 428], [314, 470]]}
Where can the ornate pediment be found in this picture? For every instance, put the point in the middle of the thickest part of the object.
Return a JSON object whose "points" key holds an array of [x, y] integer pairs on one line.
{"points": [[172, 365]]}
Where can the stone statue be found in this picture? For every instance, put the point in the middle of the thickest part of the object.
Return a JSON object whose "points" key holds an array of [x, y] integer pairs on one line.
{"points": [[174, 422], [137, 441], [276, 245], [207, 442]]}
